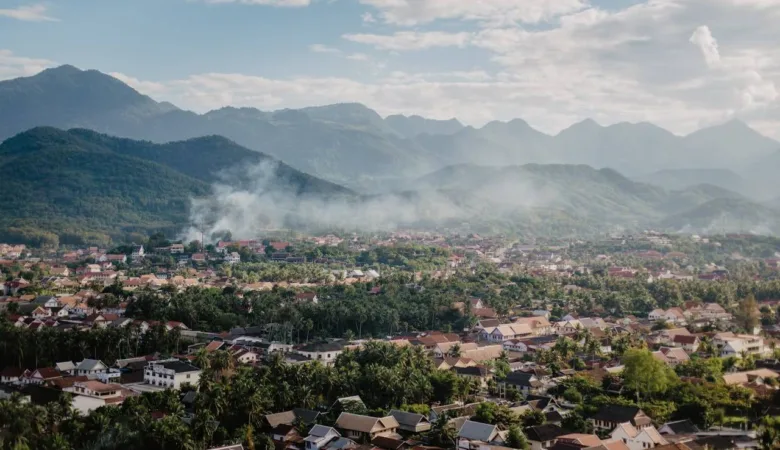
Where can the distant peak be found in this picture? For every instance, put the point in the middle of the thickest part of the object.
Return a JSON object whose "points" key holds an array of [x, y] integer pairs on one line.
{"points": [[65, 69], [587, 123]]}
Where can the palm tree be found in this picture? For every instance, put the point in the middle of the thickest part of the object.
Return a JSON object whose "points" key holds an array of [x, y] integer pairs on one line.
{"points": [[455, 351]]}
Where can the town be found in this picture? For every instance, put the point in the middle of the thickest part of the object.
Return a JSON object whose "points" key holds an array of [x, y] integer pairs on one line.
{"points": [[397, 341]]}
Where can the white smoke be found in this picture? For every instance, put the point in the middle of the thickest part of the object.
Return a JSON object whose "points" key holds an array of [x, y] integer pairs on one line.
{"points": [[250, 200]]}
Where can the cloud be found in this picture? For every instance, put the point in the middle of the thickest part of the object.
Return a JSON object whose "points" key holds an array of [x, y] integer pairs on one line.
{"points": [[146, 87], [702, 37], [33, 13], [12, 66], [358, 57], [415, 12], [319, 48], [279, 3], [368, 18], [411, 40]]}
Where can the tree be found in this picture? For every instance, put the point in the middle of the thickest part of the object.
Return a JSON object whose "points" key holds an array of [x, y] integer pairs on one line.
{"points": [[748, 315], [516, 438], [644, 374]]}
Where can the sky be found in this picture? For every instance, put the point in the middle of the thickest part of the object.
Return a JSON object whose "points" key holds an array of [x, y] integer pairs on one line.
{"points": [[681, 64]]}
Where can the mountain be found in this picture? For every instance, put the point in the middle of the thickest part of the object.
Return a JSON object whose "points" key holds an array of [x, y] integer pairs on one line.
{"points": [[83, 186], [726, 215], [352, 145], [682, 178], [413, 126], [591, 199]]}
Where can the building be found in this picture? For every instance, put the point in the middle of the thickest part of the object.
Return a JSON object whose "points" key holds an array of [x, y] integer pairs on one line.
{"points": [[322, 351], [90, 367], [503, 333], [365, 428], [730, 344], [319, 436], [610, 416], [232, 258], [411, 422], [638, 438], [90, 395], [542, 437], [473, 434], [171, 374]]}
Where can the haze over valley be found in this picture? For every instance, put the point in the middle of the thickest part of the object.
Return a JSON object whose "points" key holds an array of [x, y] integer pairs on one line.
{"points": [[343, 166]]}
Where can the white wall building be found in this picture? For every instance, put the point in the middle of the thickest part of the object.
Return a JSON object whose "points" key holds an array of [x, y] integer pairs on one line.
{"points": [[171, 374]]}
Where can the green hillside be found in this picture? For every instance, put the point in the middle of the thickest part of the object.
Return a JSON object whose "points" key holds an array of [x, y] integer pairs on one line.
{"points": [[82, 186]]}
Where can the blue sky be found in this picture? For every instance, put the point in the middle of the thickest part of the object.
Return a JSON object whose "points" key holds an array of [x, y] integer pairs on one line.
{"points": [[682, 64]]}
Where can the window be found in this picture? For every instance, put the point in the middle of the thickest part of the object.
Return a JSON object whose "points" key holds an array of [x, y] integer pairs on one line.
{"points": [[188, 376]]}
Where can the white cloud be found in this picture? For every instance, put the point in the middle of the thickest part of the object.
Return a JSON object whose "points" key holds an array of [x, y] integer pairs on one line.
{"points": [[147, 87], [368, 18], [702, 37], [358, 57], [319, 48], [415, 12], [411, 40], [12, 66], [280, 3], [33, 13]]}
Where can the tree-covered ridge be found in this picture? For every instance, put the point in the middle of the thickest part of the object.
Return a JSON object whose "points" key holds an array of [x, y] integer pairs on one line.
{"points": [[82, 186]]}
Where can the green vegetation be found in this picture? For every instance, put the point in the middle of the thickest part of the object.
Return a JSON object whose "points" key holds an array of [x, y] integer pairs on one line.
{"points": [[75, 187]]}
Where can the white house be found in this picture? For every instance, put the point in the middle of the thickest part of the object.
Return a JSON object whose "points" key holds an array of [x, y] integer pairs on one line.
{"points": [[171, 374], [502, 333], [319, 436], [90, 367], [731, 344], [472, 434], [232, 258], [321, 351], [638, 439], [91, 395], [138, 252]]}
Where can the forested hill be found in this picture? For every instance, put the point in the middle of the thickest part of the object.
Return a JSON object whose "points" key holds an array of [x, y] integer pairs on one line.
{"points": [[80, 186]]}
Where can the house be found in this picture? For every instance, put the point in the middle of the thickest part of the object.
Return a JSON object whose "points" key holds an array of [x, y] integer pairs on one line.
{"points": [[138, 252], [503, 333], [471, 434], [486, 353], [610, 416], [730, 344], [91, 395], [11, 375], [40, 313], [321, 351], [43, 375], [176, 249], [526, 383], [452, 410], [46, 301], [684, 427], [305, 416], [365, 428], [319, 436], [689, 343], [115, 258], [232, 258], [579, 440], [90, 367], [671, 356], [411, 422], [638, 438], [750, 376], [171, 374], [542, 437], [480, 373], [443, 349]]}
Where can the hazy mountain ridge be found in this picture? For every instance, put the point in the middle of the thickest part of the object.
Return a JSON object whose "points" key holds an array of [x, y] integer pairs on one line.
{"points": [[351, 144], [87, 186]]}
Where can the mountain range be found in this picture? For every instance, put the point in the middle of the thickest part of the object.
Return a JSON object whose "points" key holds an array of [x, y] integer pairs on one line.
{"points": [[170, 169], [352, 145], [83, 186]]}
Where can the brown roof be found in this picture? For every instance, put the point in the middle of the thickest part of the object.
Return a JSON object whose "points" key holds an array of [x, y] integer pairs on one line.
{"points": [[99, 386], [48, 373], [365, 424], [589, 440]]}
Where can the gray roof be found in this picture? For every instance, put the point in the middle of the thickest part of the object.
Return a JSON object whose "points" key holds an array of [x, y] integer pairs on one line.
{"points": [[477, 431], [407, 418], [342, 442], [65, 366], [322, 431], [178, 366], [91, 364]]}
